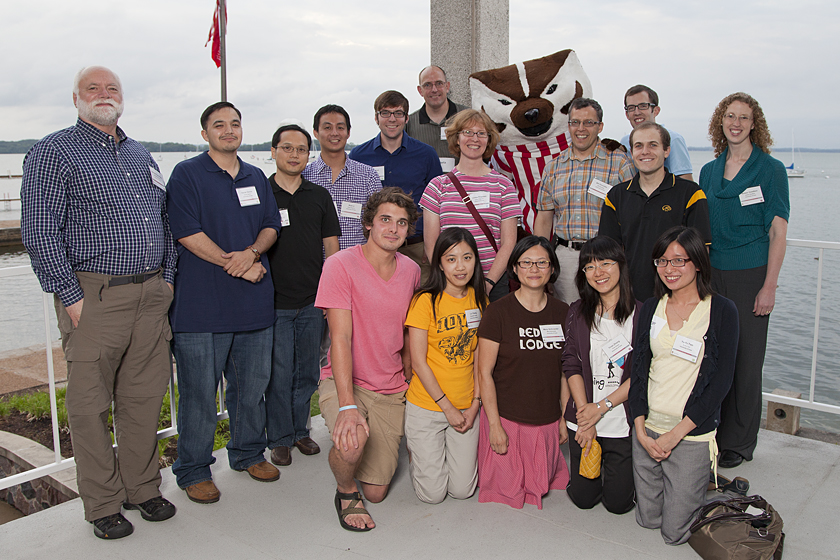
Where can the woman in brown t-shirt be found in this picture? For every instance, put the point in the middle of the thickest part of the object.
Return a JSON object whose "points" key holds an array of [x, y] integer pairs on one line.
{"points": [[522, 386]]}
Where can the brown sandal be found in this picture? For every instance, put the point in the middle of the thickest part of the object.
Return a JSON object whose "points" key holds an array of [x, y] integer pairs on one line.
{"points": [[356, 507]]}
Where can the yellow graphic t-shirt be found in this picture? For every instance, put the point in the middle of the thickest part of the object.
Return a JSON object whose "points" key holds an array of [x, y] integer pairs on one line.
{"points": [[450, 352]]}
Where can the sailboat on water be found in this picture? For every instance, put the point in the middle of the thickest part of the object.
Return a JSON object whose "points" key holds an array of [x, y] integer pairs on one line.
{"points": [[794, 172]]}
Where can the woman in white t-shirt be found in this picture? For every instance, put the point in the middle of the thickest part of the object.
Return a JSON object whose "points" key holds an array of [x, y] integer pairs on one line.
{"points": [[596, 362]]}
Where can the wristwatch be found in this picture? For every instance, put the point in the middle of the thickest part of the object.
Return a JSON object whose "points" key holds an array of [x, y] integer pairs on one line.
{"points": [[609, 404]]}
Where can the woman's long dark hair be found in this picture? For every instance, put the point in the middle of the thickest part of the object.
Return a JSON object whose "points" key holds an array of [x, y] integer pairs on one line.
{"points": [[436, 283], [603, 248], [695, 249]]}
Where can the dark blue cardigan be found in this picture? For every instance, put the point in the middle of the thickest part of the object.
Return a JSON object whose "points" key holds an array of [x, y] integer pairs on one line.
{"points": [[716, 368]]}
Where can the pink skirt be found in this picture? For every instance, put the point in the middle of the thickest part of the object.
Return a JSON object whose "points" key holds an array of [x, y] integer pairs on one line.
{"points": [[532, 466]]}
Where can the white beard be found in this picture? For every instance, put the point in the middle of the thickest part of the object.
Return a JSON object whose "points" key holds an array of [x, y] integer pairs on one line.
{"points": [[103, 116]]}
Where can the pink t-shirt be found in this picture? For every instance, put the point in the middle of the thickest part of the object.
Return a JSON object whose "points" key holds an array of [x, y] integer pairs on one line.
{"points": [[379, 309], [493, 195]]}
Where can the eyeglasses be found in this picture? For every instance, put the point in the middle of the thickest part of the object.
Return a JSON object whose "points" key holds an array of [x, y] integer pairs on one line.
{"points": [[587, 124], [528, 264], [731, 117], [428, 85], [590, 268], [640, 106], [662, 263], [288, 148], [387, 114], [470, 133]]}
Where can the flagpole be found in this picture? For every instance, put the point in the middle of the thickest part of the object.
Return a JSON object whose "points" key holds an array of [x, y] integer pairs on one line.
{"points": [[222, 33]]}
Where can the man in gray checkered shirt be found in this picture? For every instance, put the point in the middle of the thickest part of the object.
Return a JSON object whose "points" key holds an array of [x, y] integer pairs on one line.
{"points": [[94, 223]]}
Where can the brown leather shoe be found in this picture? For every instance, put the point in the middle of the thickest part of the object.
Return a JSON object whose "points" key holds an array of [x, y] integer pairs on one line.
{"points": [[281, 456], [264, 472], [203, 492], [307, 446]]}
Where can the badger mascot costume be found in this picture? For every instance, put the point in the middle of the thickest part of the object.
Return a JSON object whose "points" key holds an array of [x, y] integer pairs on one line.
{"points": [[529, 102]]}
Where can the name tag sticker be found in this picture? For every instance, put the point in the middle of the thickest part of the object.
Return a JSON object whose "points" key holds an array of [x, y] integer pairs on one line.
{"points": [[351, 210], [157, 178], [473, 318], [248, 196], [752, 195], [552, 333], [284, 217], [656, 325], [599, 189], [447, 164], [380, 170], [480, 199], [616, 348], [443, 133], [686, 348]]}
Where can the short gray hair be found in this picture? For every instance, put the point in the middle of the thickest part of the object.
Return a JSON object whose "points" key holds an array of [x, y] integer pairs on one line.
{"points": [[80, 74]]}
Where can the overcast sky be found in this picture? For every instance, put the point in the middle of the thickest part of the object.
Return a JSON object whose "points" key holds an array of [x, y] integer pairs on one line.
{"points": [[286, 59]]}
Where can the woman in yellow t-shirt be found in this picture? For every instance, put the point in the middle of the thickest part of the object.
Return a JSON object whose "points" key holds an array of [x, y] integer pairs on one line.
{"points": [[440, 428]]}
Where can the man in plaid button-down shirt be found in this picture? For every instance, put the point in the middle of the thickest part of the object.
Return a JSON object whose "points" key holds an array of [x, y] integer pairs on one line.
{"points": [[94, 223], [573, 188]]}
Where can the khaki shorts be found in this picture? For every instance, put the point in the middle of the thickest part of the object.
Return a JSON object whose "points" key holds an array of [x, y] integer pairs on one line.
{"points": [[385, 417]]}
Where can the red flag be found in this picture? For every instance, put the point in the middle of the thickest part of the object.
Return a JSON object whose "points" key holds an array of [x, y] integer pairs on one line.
{"points": [[214, 35]]}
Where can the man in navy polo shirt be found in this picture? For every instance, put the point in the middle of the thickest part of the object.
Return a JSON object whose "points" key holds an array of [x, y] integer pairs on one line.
{"points": [[224, 217], [310, 229], [401, 161]]}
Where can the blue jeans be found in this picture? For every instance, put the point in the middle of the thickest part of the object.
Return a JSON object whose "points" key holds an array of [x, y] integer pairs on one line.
{"points": [[245, 359], [295, 371]]}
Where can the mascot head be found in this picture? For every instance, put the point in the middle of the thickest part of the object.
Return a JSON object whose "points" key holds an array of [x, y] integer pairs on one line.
{"points": [[529, 101]]}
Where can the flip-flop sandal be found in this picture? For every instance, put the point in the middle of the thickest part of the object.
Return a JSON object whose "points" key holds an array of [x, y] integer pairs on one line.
{"points": [[738, 485], [356, 507]]}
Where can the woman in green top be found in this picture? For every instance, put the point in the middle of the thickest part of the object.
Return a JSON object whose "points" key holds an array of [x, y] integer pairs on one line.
{"points": [[749, 209]]}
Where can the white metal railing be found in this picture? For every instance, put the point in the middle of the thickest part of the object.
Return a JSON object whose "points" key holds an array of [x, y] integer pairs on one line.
{"points": [[61, 464]]}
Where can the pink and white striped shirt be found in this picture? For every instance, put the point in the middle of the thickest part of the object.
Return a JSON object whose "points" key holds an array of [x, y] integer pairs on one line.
{"points": [[442, 198]]}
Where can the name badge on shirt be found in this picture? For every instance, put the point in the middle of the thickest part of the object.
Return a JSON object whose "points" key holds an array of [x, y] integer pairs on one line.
{"points": [[480, 199], [552, 333], [284, 217], [248, 196], [599, 189], [351, 210], [656, 325], [752, 195], [443, 133], [617, 348], [686, 348], [473, 318], [380, 170], [157, 178], [447, 164]]}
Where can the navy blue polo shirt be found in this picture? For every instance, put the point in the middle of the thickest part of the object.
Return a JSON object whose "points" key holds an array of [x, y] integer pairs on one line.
{"points": [[410, 167], [202, 197]]}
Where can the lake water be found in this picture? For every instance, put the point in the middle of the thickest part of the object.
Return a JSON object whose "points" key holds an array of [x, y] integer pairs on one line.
{"points": [[815, 201]]}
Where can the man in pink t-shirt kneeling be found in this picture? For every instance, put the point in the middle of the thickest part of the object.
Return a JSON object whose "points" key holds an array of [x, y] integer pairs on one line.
{"points": [[366, 291]]}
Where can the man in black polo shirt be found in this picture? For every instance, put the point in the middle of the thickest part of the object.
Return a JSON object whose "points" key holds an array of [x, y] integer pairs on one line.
{"points": [[428, 123], [310, 229], [638, 211]]}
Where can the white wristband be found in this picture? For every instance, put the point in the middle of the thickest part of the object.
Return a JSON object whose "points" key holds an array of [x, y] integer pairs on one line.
{"points": [[348, 407]]}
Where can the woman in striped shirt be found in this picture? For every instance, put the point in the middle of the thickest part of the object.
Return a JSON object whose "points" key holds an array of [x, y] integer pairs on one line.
{"points": [[472, 136]]}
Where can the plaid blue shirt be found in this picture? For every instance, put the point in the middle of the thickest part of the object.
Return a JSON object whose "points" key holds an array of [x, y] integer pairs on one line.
{"points": [[89, 205], [355, 183]]}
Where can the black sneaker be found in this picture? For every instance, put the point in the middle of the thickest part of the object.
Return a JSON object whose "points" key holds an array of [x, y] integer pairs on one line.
{"points": [[112, 527], [156, 509]]}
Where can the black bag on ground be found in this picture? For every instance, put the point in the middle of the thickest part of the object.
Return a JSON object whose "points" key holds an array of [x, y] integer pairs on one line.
{"points": [[729, 530]]}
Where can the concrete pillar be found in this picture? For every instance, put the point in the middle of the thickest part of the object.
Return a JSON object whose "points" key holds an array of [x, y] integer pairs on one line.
{"points": [[783, 418], [468, 36]]}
